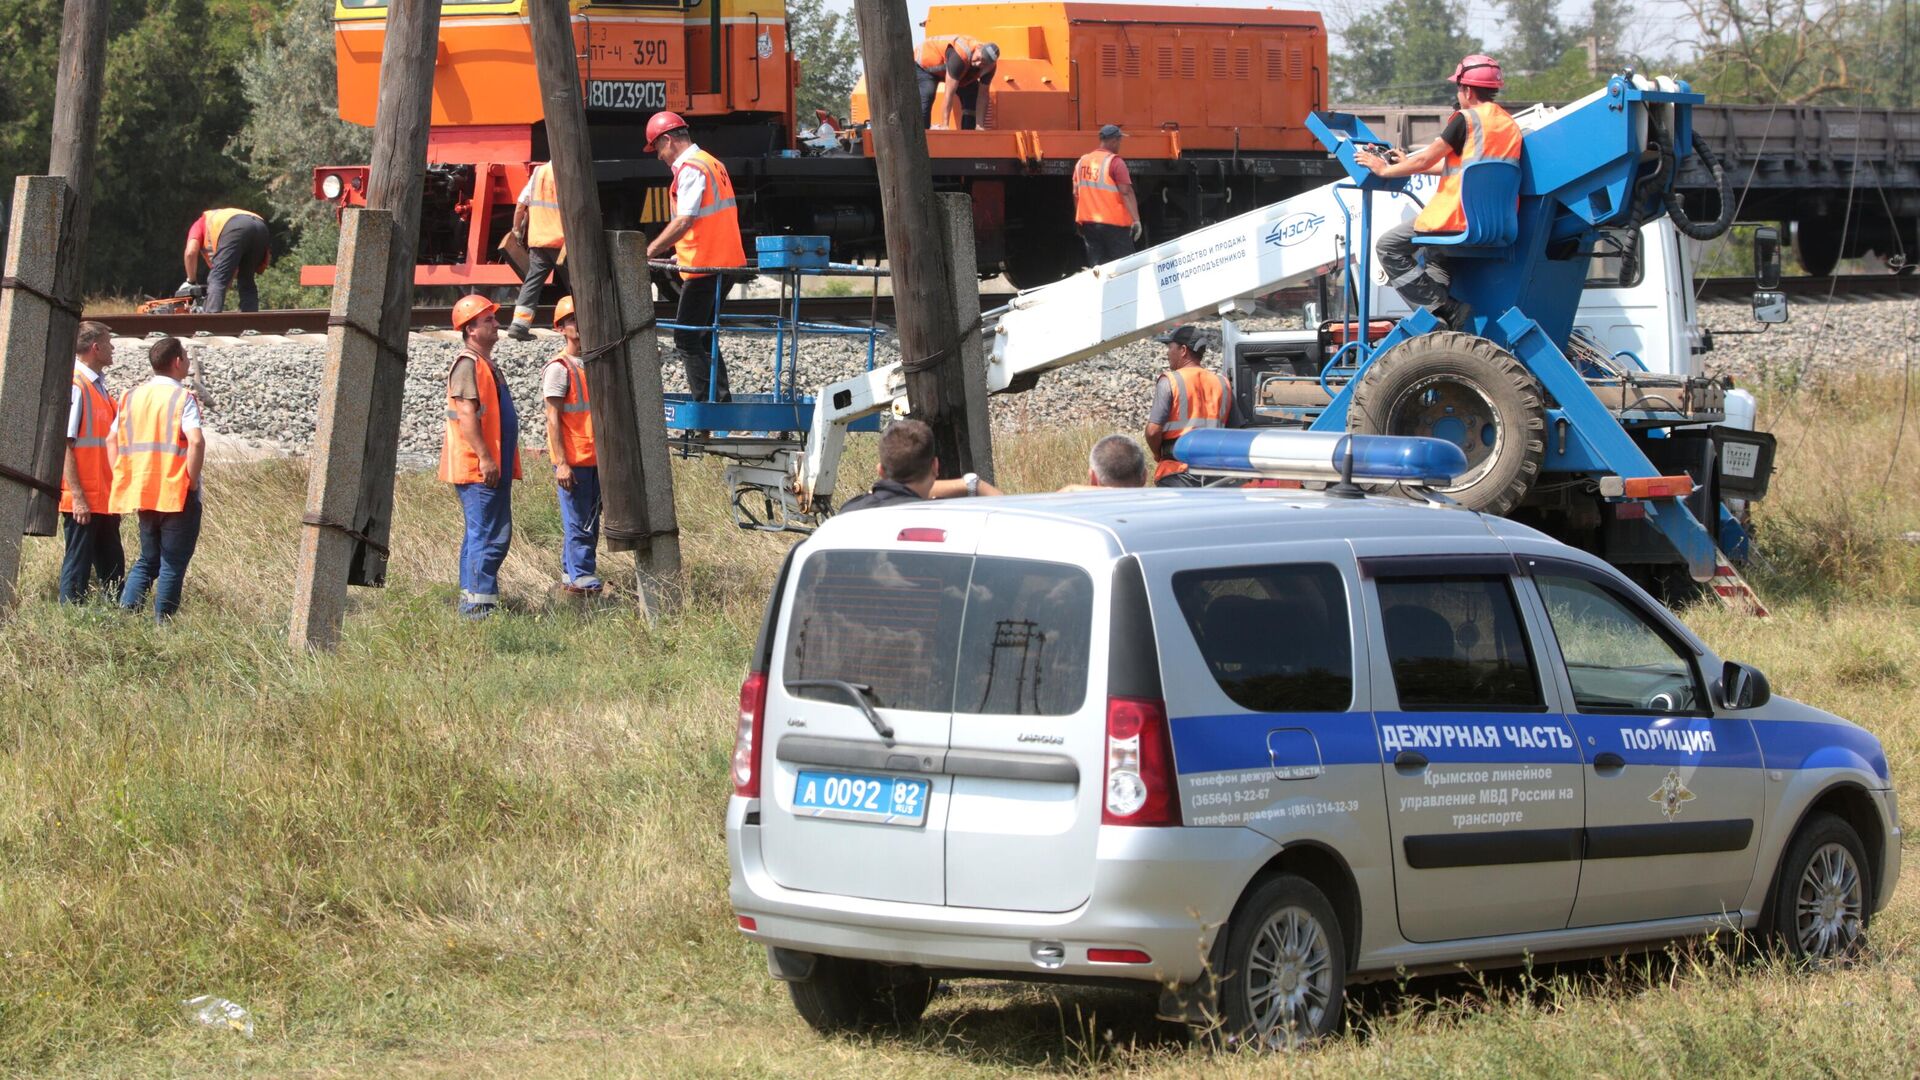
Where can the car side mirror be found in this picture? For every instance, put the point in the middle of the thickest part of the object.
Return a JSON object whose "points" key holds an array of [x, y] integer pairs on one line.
{"points": [[1770, 307], [1766, 258], [1743, 687]]}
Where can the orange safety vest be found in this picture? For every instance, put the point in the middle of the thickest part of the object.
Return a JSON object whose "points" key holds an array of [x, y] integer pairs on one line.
{"points": [[1199, 401], [933, 55], [576, 415], [150, 472], [458, 463], [216, 221], [543, 210], [1096, 198], [91, 459], [1491, 133], [714, 237]]}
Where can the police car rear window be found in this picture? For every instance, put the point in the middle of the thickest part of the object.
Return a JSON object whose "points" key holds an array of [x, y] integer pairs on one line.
{"points": [[1456, 642], [1275, 638], [943, 632]]}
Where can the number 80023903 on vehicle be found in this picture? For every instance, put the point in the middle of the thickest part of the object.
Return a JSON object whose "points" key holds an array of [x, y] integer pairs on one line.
{"points": [[1243, 748]]}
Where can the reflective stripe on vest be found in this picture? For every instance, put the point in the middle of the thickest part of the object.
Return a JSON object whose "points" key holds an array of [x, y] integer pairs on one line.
{"points": [[933, 55], [90, 457], [216, 221], [1491, 133], [576, 415], [543, 210], [1199, 401], [150, 472], [1096, 198], [713, 239], [458, 463]]}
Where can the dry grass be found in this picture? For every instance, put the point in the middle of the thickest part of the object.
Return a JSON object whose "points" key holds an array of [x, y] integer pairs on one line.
{"points": [[496, 850]]}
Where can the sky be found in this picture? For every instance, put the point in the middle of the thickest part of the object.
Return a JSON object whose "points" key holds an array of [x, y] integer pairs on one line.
{"points": [[1657, 23]]}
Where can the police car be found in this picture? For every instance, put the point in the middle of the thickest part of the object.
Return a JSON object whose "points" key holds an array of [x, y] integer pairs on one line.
{"points": [[1245, 748]]}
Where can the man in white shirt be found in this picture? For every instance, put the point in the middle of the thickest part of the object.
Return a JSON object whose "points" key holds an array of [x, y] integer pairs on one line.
{"points": [[703, 235], [86, 489]]}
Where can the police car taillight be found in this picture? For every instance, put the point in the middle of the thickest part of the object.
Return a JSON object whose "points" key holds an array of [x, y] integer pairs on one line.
{"points": [[746, 737], [1140, 787]]}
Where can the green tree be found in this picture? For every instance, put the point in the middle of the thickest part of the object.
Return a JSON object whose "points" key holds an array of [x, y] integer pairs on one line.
{"points": [[828, 48], [293, 123], [1536, 41], [1402, 53]]}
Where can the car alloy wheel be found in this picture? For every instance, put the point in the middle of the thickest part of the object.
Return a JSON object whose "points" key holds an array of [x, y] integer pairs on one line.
{"points": [[1289, 978], [1828, 904]]}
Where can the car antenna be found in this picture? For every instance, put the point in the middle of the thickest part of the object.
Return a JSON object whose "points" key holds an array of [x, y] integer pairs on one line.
{"points": [[1346, 488]]}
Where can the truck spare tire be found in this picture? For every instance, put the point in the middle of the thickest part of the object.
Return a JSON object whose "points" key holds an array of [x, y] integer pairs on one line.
{"points": [[1470, 392]]}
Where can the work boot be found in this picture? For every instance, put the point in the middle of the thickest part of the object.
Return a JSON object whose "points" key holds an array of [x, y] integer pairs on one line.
{"points": [[1453, 314], [520, 332]]}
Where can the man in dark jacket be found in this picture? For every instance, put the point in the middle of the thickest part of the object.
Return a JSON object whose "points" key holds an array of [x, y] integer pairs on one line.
{"points": [[908, 471]]}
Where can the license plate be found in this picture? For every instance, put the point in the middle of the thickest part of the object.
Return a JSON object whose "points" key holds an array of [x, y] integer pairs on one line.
{"points": [[884, 800], [638, 96]]}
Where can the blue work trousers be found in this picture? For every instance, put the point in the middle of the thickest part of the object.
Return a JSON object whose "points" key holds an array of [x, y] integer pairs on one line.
{"points": [[483, 546], [93, 551], [580, 528], [167, 541]]}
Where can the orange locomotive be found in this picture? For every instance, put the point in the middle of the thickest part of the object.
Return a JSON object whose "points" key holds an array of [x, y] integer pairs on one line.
{"points": [[1214, 102]]}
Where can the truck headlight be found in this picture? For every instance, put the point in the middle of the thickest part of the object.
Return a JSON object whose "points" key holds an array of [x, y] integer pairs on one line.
{"points": [[330, 186]]}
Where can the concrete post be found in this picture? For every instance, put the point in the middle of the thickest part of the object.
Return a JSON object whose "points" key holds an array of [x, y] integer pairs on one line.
{"points": [[657, 558], [956, 218], [42, 211]]}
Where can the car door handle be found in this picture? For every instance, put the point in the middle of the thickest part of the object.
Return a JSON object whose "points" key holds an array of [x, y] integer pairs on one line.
{"points": [[1409, 761], [1608, 761]]}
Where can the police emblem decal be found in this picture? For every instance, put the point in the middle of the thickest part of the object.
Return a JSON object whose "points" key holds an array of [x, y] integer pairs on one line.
{"points": [[1671, 795]]}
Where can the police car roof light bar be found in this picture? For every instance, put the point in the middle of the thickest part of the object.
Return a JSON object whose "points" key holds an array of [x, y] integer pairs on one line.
{"points": [[1322, 455]]}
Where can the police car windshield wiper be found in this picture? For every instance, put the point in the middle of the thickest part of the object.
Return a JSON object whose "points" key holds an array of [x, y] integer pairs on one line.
{"points": [[858, 693]]}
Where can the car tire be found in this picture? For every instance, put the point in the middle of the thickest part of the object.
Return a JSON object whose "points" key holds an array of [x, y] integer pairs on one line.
{"points": [[1823, 896], [1471, 392], [1284, 972], [857, 995]]}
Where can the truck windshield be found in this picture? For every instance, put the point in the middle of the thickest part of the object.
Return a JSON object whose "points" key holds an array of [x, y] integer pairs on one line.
{"points": [[943, 633]]}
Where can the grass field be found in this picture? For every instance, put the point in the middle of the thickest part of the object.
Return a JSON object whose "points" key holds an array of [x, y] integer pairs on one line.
{"points": [[451, 850]]}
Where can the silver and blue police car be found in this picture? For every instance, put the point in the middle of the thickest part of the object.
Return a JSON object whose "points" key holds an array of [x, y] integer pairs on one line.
{"points": [[1245, 748]]}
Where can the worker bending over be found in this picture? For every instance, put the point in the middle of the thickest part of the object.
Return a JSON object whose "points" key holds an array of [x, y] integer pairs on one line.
{"points": [[704, 232], [1104, 207], [963, 66], [536, 221], [235, 246], [480, 454], [158, 452], [1186, 397], [86, 481], [576, 470], [1479, 130]]}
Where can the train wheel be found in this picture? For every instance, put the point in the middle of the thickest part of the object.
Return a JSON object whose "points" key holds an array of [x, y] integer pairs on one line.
{"points": [[1817, 242], [1470, 392], [1044, 260]]}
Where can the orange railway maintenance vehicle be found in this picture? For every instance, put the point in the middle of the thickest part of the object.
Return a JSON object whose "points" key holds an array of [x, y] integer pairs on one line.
{"points": [[1214, 100]]}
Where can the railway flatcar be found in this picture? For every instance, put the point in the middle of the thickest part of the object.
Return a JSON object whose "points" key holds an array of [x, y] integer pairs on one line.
{"points": [[1215, 102]]}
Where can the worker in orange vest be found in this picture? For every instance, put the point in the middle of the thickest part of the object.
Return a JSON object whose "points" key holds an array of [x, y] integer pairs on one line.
{"points": [[536, 221], [705, 233], [1186, 397], [576, 469], [480, 454], [235, 246], [158, 452], [1478, 130], [964, 67], [1104, 206], [86, 481]]}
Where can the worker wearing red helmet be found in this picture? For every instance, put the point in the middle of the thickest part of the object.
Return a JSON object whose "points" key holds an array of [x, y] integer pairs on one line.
{"points": [[576, 468], [964, 67], [480, 454], [704, 233], [1479, 130]]}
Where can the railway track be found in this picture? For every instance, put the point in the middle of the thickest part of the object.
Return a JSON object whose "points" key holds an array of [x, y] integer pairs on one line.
{"points": [[860, 308]]}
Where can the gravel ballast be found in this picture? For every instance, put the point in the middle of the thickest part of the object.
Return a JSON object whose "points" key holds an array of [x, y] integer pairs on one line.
{"points": [[265, 395]]}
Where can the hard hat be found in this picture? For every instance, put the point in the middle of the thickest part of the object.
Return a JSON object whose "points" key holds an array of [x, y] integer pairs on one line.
{"points": [[660, 124], [1478, 70], [471, 307], [561, 310]]}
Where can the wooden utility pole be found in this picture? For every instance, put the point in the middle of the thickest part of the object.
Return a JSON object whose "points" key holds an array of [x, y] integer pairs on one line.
{"points": [[357, 443], [40, 309], [916, 251], [620, 351]]}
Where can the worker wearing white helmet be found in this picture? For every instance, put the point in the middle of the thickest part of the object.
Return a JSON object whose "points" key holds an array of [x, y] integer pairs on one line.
{"points": [[1479, 130]]}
